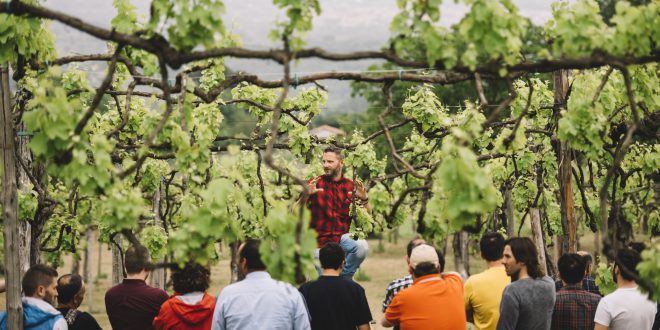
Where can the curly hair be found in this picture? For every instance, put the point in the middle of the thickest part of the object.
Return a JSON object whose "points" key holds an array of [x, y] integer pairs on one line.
{"points": [[191, 278]]}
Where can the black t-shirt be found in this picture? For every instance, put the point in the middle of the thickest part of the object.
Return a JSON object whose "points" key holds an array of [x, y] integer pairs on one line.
{"points": [[336, 303], [81, 320]]}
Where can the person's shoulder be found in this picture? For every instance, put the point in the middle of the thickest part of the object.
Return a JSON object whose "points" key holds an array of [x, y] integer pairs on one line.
{"points": [[402, 281], [156, 292], [307, 285]]}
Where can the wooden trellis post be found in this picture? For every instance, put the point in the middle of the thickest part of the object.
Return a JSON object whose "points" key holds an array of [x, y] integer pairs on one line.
{"points": [[564, 155], [10, 208]]}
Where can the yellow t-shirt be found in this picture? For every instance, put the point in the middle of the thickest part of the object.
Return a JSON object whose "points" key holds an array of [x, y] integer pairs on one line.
{"points": [[483, 293]]}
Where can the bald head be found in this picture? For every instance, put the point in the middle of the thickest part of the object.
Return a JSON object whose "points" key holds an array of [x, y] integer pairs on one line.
{"points": [[71, 290]]}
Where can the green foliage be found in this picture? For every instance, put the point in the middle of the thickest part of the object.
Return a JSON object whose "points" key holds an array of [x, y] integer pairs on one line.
{"points": [[154, 238], [467, 188], [25, 36], [578, 29], [415, 26], [364, 156], [299, 14], [120, 208], [492, 29], [193, 24], [604, 279], [649, 269], [203, 222], [425, 107], [280, 248]]}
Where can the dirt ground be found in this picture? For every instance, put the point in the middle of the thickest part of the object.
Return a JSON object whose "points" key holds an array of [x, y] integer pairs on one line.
{"points": [[384, 263]]}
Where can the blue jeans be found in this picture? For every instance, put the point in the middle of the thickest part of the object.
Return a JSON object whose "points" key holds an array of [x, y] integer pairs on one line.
{"points": [[356, 252]]}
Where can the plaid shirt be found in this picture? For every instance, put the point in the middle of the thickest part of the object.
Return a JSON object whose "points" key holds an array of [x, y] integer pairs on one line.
{"points": [[574, 308], [331, 209], [394, 287], [588, 284]]}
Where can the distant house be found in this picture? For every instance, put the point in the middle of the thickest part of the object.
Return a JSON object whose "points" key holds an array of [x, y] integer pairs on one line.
{"points": [[326, 131]]}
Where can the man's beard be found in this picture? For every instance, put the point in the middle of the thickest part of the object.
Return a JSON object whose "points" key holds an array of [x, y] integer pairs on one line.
{"points": [[49, 298], [515, 275], [332, 172]]}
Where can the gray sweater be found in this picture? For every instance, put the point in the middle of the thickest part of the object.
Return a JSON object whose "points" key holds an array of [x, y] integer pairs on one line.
{"points": [[527, 304]]}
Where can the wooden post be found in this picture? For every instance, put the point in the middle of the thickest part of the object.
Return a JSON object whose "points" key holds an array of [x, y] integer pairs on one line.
{"points": [[117, 262], [565, 175], [10, 208], [23, 153], [87, 267], [537, 237], [158, 275], [461, 257], [508, 204]]}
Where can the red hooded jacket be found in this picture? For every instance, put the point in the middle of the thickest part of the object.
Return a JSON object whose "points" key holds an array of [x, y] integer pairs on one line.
{"points": [[176, 314]]}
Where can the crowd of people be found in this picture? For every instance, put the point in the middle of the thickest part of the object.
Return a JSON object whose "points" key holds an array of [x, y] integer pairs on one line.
{"points": [[511, 293]]}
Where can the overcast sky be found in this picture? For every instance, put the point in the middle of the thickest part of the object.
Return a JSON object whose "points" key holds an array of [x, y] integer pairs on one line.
{"points": [[344, 25]]}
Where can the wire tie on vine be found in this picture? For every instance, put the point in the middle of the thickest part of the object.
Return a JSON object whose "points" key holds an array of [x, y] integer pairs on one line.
{"points": [[295, 81]]}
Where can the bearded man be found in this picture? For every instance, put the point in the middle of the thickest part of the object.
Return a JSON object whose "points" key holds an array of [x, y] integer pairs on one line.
{"points": [[330, 198], [40, 290]]}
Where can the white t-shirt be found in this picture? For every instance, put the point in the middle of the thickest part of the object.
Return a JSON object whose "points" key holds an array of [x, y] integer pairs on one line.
{"points": [[626, 309]]}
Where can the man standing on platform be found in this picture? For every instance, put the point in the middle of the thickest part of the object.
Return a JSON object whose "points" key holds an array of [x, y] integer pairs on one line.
{"points": [[330, 198]]}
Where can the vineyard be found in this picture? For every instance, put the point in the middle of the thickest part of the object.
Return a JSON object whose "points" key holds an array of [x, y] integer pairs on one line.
{"points": [[494, 124]]}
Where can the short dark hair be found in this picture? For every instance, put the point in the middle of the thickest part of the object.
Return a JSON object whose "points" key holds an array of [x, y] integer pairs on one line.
{"points": [[413, 243], [37, 275], [331, 256], [68, 286], [136, 259], [492, 246], [524, 250], [191, 278], [250, 252], [334, 150], [627, 260], [425, 268], [571, 268], [637, 246]]}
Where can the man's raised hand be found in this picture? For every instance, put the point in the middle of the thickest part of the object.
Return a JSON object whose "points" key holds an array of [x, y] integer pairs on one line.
{"points": [[312, 188]]}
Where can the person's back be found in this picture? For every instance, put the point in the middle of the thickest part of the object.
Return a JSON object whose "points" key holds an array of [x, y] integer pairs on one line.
{"points": [[133, 304], [528, 302], [433, 301], [335, 302], [258, 301], [627, 307], [193, 311], [79, 320], [191, 308], [575, 307], [534, 299], [483, 292]]}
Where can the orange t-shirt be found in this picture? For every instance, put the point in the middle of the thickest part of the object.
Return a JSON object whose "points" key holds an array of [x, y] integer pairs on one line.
{"points": [[432, 302]]}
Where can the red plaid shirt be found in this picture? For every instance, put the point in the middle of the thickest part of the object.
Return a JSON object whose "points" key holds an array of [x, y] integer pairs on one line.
{"points": [[331, 209], [575, 308]]}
